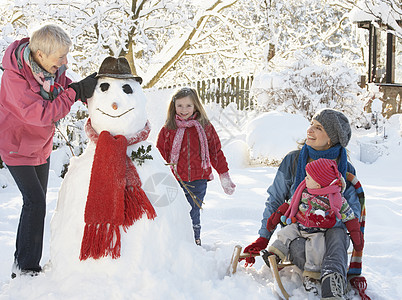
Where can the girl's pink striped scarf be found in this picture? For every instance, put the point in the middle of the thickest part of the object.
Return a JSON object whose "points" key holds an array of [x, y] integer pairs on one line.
{"points": [[178, 139]]}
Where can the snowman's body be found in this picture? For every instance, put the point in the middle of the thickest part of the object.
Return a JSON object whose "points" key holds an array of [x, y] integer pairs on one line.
{"points": [[118, 106]]}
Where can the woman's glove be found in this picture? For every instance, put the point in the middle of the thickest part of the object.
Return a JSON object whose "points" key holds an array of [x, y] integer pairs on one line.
{"points": [[255, 248], [227, 183], [356, 234], [275, 218], [85, 88], [360, 284]]}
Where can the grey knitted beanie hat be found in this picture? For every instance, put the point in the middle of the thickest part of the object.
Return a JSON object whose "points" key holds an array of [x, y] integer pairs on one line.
{"points": [[335, 124]]}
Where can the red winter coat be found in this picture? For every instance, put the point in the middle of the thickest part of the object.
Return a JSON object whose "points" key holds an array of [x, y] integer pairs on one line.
{"points": [[189, 164], [26, 119]]}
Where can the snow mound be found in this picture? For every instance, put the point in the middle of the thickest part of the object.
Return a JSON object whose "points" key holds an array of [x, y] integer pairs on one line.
{"points": [[272, 135]]}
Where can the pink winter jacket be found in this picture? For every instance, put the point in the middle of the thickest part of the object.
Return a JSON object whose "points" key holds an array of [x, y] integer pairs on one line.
{"points": [[27, 121]]}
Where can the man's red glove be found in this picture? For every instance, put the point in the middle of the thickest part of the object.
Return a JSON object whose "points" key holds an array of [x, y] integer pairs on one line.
{"points": [[255, 248], [356, 235], [275, 218]]}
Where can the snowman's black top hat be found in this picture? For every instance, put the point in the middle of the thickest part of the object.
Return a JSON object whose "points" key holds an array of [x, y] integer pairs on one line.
{"points": [[117, 68]]}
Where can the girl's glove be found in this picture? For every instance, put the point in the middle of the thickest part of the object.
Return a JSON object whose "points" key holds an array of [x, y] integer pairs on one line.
{"points": [[227, 183], [275, 218]]}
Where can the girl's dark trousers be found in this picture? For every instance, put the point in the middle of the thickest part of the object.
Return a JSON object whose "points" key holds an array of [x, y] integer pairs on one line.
{"points": [[195, 193]]}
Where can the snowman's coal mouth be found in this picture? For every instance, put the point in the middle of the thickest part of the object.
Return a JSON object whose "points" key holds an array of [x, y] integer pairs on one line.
{"points": [[118, 116]]}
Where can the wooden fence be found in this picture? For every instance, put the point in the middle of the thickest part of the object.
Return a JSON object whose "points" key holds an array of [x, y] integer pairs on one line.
{"points": [[224, 91]]}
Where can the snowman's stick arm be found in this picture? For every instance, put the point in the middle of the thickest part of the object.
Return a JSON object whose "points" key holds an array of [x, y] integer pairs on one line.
{"points": [[197, 201]]}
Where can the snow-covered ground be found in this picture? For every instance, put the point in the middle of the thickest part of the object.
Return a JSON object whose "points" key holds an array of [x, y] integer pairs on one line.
{"points": [[231, 220]]}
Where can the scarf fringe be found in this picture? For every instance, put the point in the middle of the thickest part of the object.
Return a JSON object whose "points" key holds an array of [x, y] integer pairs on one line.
{"points": [[100, 240], [136, 204]]}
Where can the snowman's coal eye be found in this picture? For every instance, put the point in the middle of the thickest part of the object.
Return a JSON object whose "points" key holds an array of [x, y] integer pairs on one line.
{"points": [[104, 86], [127, 89]]}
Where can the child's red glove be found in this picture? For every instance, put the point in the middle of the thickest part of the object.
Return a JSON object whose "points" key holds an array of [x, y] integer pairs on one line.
{"points": [[255, 248], [356, 235], [275, 218]]}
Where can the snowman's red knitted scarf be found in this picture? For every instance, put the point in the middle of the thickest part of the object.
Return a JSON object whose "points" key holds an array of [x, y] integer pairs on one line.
{"points": [[115, 197]]}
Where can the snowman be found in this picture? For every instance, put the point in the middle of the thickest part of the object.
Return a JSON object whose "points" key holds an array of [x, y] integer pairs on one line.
{"points": [[119, 206]]}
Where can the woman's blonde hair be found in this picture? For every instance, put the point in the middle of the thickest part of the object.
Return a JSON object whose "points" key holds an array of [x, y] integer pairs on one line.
{"points": [[49, 38], [198, 108]]}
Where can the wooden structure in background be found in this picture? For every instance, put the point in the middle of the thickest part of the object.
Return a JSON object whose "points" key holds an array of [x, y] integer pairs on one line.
{"points": [[226, 90], [223, 91], [385, 64]]}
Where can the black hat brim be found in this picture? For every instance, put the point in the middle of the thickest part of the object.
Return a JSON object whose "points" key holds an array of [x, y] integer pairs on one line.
{"points": [[121, 76]]}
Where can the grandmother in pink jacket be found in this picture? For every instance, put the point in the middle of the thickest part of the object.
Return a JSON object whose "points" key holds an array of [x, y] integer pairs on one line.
{"points": [[35, 93]]}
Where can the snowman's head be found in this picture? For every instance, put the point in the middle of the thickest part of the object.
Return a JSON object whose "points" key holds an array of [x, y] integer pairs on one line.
{"points": [[118, 102]]}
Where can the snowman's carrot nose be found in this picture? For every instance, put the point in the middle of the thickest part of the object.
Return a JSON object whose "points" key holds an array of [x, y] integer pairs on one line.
{"points": [[114, 105]]}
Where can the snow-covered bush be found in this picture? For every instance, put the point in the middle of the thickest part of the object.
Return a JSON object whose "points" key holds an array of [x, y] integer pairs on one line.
{"points": [[70, 134], [305, 86]]}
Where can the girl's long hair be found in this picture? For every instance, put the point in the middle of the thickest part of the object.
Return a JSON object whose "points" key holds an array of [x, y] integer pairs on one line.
{"points": [[198, 108]]}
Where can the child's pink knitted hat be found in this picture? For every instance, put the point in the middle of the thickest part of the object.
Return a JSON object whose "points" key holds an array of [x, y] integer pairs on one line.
{"points": [[324, 171]]}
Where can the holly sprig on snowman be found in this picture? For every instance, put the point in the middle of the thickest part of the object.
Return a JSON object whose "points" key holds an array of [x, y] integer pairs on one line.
{"points": [[141, 154]]}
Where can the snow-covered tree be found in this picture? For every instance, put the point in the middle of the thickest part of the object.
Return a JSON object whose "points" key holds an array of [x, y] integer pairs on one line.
{"points": [[319, 29], [171, 41], [152, 34], [306, 86], [382, 12]]}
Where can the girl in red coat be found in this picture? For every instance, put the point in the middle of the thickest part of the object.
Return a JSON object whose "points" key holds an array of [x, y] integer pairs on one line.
{"points": [[190, 143]]}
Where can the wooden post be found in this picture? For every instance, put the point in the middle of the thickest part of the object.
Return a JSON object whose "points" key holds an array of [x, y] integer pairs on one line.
{"points": [[208, 91], [225, 90], [247, 91], [232, 88], [237, 92], [218, 90], [203, 91], [242, 94], [213, 91], [199, 91]]}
